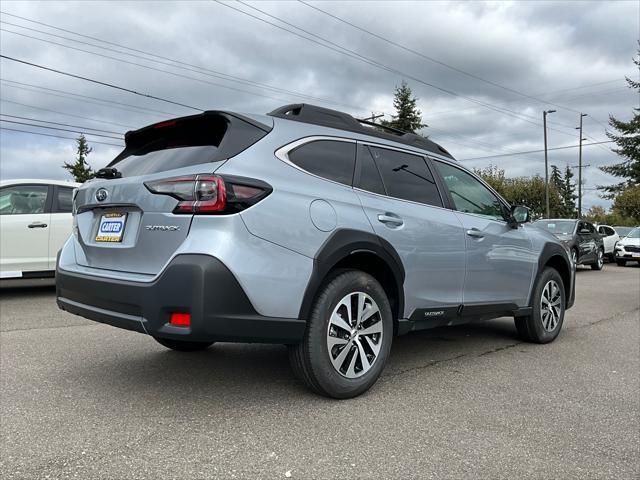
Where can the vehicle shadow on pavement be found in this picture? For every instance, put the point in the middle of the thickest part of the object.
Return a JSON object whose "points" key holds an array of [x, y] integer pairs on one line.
{"points": [[225, 373]]}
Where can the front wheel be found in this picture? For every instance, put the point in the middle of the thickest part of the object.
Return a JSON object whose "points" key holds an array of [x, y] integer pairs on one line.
{"points": [[348, 337], [599, 261], [182, 345], [547, 316]]}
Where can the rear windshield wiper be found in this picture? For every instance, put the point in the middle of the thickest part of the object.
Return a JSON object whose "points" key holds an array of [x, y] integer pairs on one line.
{"points": [[108, 172]]}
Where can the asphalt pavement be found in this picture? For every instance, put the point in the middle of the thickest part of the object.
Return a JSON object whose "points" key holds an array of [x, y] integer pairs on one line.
{"points": [[84, 400]]}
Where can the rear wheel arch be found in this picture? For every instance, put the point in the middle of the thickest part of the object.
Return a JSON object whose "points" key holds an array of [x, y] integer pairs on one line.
{"points": [[348, 249]]}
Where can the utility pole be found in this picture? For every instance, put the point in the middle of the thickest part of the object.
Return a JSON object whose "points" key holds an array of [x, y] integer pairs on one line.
{"points": [[373, 117], [580, 167], [546, 163]]}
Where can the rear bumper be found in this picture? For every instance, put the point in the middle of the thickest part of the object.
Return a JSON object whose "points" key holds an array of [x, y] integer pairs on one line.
{"points": [[198, 284]]}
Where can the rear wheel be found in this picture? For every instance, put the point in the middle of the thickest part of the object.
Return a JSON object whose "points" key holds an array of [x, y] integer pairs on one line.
{"points": [[182, 345], [547, 316], [599, 261], [348, 337]]}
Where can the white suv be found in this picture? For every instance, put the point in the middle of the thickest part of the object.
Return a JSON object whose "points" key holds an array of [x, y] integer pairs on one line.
{"points": [[35, 221]]}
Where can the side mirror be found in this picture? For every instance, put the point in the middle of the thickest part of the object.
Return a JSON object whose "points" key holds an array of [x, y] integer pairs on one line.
{"points": [[519, 214]]}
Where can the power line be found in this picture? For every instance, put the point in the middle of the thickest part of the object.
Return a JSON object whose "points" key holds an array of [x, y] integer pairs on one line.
{"points": [[535, 151], [193, 68], [60, 124], [551, 93], [84, 98], [65, 114], [431, 59], [57, 128], [56, 136], [350, 53], [110, 85], [148, 67]]}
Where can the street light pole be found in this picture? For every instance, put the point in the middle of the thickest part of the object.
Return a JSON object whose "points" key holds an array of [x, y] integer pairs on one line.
{"points": [[546, 163], [580, 168]]}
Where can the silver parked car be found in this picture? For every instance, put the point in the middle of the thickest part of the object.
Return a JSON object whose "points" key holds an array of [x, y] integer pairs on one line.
{"points": [[304, 227]]}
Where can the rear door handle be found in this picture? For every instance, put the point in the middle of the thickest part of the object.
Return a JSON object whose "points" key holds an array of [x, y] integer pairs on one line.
{"points": [[37, 225], [391, 220], [474, 232]]}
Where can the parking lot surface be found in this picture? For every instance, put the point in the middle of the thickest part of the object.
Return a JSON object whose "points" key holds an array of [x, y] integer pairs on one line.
{"points": [[84, 400]]}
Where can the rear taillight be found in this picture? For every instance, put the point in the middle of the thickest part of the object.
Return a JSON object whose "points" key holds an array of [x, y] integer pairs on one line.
{"points": [[210, 194]]}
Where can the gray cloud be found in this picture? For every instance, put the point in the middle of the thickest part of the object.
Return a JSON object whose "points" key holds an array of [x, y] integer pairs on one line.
{"points": [[547, 49]]}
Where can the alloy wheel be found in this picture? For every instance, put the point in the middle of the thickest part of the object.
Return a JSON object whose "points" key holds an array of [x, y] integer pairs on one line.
{"points": [[354, 335], [600, 259], [551, 306]]}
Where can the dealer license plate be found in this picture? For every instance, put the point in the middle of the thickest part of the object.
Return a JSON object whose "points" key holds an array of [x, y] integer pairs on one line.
{"points": [[111, 227]]}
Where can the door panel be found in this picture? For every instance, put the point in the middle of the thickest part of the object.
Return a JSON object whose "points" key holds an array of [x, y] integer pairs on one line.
{"points": [[500, 262], [429, 239], [430, 243], [499, 259], [24, 229], [587, 244]]}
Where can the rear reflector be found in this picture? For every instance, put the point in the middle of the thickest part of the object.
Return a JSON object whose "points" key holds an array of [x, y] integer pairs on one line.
{"points": [[180, 319]]}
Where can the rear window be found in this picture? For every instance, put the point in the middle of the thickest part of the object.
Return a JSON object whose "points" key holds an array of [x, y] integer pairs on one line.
{"points": [[187, 141]]}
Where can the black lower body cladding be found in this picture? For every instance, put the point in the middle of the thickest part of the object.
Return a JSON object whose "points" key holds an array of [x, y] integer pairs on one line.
{"points": [[200, 285]]}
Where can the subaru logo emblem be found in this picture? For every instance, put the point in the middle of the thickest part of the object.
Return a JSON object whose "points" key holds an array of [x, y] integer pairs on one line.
{"points": [[101, 195]]}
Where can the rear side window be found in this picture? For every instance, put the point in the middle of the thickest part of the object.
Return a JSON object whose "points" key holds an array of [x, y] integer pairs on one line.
{"points": [[63, 201], [406, 176], [328, 159]]}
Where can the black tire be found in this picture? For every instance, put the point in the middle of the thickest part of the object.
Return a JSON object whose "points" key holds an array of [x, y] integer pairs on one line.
{"points": [[621, 263], [599, 262], [183, 345], [310, 359], [531, 328]]}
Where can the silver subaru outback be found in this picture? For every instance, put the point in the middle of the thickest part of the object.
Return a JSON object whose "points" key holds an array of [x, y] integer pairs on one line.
{"points": [[305, 227]]}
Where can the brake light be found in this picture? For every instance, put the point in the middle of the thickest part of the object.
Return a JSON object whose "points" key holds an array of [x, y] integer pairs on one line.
{"points": [[210, 194], [179, 319]]}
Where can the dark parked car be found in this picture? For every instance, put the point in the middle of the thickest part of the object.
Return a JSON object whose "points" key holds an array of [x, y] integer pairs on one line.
{"points": [[580, 237]]}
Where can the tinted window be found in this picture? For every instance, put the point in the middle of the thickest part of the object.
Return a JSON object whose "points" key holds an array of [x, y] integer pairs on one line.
{"points": [[406, 176], [328, 159], [370, 179], [185, 142], [23, 199], [63, 202], [468, 194]]}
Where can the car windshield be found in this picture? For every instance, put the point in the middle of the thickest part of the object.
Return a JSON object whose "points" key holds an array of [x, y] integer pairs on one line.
{"points": [[623, 231], [557, 227], [635, 233]]}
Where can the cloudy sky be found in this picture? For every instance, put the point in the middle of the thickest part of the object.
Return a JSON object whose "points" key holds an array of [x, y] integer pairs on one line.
{"points": [[483, 72]]}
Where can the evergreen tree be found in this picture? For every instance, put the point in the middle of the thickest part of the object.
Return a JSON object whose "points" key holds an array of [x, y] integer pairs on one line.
{"points": [[568, 193], [627, 140], [408, 118], [80, 169], [557, 182]]}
